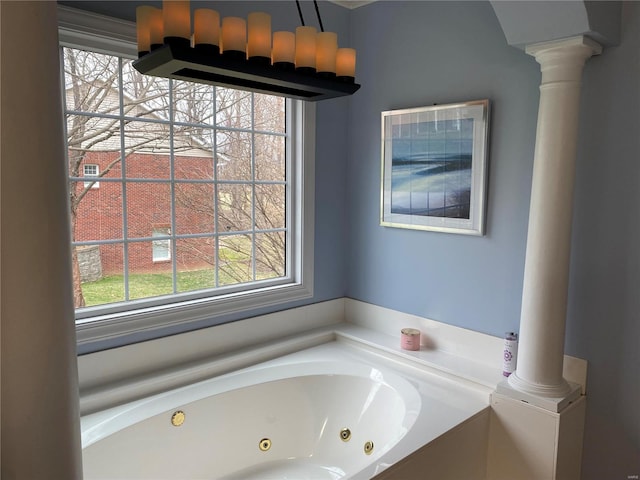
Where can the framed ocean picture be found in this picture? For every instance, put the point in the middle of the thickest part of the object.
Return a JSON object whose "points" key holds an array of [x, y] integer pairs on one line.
{"points": [[434, 167]]}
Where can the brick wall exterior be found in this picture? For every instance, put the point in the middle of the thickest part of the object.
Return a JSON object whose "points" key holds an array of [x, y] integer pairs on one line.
{"points": [[99, 215]]}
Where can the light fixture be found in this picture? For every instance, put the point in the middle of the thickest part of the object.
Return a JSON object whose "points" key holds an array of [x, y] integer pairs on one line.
{"points": [[243, 54]]}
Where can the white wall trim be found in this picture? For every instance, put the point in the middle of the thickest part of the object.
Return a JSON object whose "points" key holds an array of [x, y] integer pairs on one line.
{"points": [[79, 28]]}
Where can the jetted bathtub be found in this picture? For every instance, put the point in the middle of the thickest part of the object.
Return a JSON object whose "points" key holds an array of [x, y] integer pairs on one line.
{"points": [[329, 412]]}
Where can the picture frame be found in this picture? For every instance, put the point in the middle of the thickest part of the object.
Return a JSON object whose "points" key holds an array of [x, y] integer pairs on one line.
{"points": [[434, 167]]}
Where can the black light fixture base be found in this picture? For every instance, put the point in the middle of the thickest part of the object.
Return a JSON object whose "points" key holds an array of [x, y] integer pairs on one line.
{"points": [[192, 65], [260, 60], [177, 42], [345, 79], [327, 74], [290, 66], [207, 49], [234, 55], [306, 70]]}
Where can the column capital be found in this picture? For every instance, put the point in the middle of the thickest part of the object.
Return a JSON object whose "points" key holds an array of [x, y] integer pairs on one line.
{"points": [[563, 60], [569, 45]]}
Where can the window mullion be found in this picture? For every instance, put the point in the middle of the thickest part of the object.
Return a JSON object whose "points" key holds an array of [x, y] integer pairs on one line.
{"points": [[123, 169], [172, 245], [253, 189], [216, 186]]}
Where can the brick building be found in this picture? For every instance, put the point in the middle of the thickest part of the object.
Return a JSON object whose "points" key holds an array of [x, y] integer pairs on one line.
{"points": [[100, 213]]}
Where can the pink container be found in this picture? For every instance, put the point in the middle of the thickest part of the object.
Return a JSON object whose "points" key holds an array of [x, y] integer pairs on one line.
{"points": [[410, 339]]}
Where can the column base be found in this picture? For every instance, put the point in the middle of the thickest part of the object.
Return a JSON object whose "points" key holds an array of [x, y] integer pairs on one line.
{"points": [[551, 400]]}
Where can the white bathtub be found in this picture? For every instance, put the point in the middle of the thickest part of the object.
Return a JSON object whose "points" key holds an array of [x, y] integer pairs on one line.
{"points": [[299, 404]]}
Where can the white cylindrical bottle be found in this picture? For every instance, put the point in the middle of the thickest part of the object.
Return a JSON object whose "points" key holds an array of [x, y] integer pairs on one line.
{"points": [[510, 353]]}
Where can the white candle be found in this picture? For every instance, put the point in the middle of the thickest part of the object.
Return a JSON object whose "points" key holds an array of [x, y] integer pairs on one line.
{"points": [[259, 35], [346, 62], [206, 27], [284, 47], [143, 28], [176, 16], [156, 36], [305, 47], [326, 49], [234, 34]]}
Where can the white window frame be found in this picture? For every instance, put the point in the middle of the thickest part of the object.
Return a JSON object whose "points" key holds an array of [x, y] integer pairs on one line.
{"points": [[92, 184], [80, 29]]}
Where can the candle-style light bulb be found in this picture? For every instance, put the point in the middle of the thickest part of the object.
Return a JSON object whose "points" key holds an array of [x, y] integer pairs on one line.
{"points": [[346, 64], [143, 29], [326, 50], [283, 53], [234, 37], [156, 28], [176, 15], [206, 31], [306, 49], [259, 37]]}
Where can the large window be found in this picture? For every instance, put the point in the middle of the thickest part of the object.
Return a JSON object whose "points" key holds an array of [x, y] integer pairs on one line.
{"points": [[201, 195]]}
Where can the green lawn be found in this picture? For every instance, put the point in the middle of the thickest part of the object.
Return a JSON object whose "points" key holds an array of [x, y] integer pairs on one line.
{"points": [[144, 285]]}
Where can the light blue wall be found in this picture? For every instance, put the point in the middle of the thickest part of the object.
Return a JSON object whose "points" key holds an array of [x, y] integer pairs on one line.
{"points": [[603, 322], [417, 53]]}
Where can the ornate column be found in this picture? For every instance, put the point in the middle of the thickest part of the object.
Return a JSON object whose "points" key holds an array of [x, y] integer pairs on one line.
{"points": [[40, 420], [546, 275]]}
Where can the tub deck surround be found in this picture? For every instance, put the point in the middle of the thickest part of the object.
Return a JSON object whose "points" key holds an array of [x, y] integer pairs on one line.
{"points": [[300, 402], [455, 363], [121, 375], [445, 364]]}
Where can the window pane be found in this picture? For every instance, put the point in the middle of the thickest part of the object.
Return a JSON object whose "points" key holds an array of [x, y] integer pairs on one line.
{"points": [[234, 259], [194, 153], [234, 207], [194, 208], [93, 140], [144, 96], [148, 205], [270, 157], [270, 255], [193, 103], [98, 215], [101, 268], [196, 263], [148, 150], [91, 82], [270, 206], [269, 113], [147, 279], [234, 155], [233, 108]]}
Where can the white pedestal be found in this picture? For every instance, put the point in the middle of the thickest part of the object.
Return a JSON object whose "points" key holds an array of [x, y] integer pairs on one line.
{"points": [[527, 442]]}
